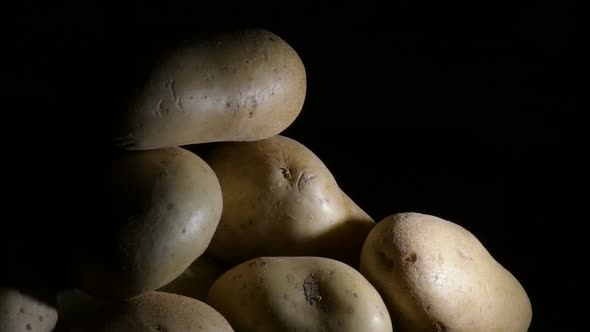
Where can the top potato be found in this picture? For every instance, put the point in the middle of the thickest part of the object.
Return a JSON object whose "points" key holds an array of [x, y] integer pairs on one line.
{"points": [[243, 86]]}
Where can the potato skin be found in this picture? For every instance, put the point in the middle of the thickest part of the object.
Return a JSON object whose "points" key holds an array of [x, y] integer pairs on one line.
{"points": [[298, 294], [155, 311], [279, 199], [241, 86], [161, 209], [23, 310], [436, 276]]}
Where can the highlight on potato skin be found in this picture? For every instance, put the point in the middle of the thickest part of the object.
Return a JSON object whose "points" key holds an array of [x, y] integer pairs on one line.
{"points": [[435, 275], [241, 86]]}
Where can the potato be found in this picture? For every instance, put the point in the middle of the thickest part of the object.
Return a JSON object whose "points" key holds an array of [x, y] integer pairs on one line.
{"points": [[155, 311], [161, 210], [25, 310], [197, 279], [279, 199], [298, 294], [436, 276], [243, 86]]}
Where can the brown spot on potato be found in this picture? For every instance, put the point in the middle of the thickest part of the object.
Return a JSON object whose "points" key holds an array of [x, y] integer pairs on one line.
{"points": [[40, 318], [250, 114], [349, 310], [286, 173], [311, 289], [29, 327], [21, 310], [184, 230], [258, 262], [411, 258]]}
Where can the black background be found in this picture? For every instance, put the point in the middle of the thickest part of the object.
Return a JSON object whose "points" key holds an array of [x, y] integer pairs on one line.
{"points": [[451, 110]]}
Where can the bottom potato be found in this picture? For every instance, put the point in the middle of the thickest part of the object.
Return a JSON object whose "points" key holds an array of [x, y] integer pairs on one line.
{"points": [[298, 294]]}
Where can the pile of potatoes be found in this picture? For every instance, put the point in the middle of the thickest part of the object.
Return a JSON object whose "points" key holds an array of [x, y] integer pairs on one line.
{"points": [[255, 235]]}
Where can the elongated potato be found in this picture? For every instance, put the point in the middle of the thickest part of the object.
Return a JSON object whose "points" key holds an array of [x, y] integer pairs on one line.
{"points": [[279, 199], [436, 276], [243, 86], [159, 214], [270, 294], [155, 311], [25, 310]]}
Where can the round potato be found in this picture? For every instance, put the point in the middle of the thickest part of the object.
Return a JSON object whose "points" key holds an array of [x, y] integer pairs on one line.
{"points": [[279, 199], [436, 276], [160, 212], [155, 311], [197, 279], [22, 310], [242, 86], [298, 294]]}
